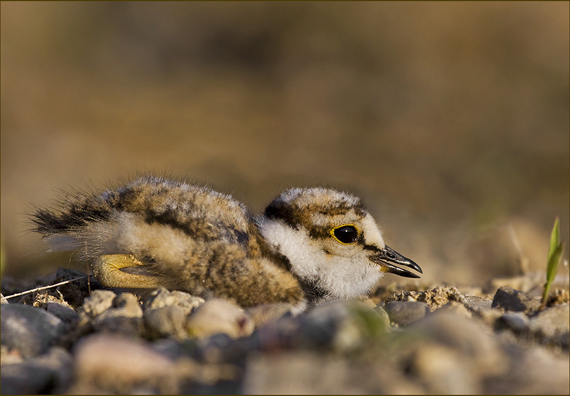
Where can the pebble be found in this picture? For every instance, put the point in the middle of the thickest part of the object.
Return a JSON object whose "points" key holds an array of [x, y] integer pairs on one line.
{"points": [[457, 308], [97, 303], [510, 299], [219, 316], [62, 311], [262, 314], [299, 373], [551, 323], [517, 322], [48, 373], [533, 371], [169, 321], [476, 303], [444, 371], [111, 363], [472, 340], [162, 297], [339, 325], [403, 313], [334, 347], [29, 329], [124, 316]]}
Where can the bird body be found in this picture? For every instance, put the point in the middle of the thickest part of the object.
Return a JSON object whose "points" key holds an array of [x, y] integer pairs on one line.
{"points": [[309, 245]]}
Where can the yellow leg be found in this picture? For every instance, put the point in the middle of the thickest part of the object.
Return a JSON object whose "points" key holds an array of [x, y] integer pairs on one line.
{"points": [[107, 270]]}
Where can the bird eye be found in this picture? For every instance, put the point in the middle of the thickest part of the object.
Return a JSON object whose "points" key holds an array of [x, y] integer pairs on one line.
{"points": [[345, 234]]}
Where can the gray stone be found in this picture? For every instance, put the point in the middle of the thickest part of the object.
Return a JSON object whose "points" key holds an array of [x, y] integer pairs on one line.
{"points": [[510, 299], [169, 321], [29, 329], [125, 316], [264, 313], [299, 373], [340, 325], [171, 348], [384, 317], [552, 322], [48, 373], [534, 371], [111, 363], [444, 370], [219, 316], [456, 308], [517, 322], [97, 303], [64, 312], [404, 313], [162, 297], [474, 342], [476, 303]]}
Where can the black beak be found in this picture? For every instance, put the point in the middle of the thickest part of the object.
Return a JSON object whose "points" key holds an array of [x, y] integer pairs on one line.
{"points": [[387, 257]]}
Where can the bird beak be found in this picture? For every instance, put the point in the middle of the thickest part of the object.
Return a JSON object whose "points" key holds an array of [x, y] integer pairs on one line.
{"points": [[387, 257]]}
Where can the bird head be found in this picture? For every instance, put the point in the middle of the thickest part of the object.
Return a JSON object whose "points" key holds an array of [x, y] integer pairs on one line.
{"points": [[331, 241]]}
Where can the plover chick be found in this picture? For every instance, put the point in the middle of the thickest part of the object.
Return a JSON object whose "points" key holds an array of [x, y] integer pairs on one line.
{"points": [[310, 244]]}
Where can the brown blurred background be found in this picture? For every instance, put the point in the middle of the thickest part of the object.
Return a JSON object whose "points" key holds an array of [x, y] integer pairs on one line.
{"points": [[450, 119]]}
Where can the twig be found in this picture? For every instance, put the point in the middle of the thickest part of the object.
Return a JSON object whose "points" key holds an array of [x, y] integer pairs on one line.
{"points": [[44, 287]]}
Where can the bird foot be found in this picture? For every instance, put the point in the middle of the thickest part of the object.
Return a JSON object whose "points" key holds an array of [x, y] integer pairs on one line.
{"points": [[124, 271]]}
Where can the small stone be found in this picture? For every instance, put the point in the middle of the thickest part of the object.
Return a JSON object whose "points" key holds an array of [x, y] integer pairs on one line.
{"points": [[10, 356], [457, 308], [444, 371], [125, 316], [62, 311], [384, 317], [517, 322], [367, 302], [510, 299], [261, 314], [552, 322], [488, 316], [404, 313], [97, 303], [219, 316], [533, 371], [172, 348], [48, 373], [31, 330], [471, 339], [114, 364], [340, 325], [299, 373], [476, 303], [166, 321], [162, 297]]}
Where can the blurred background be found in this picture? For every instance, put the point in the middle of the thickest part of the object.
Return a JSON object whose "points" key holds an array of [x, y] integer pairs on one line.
{"points": [[450, 119]]}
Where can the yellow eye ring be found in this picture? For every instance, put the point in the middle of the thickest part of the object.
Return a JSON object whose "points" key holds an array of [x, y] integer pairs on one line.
{"points": [[346, 234]]}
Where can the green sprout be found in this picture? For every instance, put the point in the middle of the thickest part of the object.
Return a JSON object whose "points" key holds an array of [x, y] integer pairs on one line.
{"points": [[554, 256]]}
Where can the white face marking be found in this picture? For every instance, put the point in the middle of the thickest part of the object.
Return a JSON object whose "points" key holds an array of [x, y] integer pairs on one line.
{"points": [[345, 272]]}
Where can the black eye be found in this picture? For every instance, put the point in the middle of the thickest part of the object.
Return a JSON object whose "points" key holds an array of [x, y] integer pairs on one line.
{"points": [[346, 234]]}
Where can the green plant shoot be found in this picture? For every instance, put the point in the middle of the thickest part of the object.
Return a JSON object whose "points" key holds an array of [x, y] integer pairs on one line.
{"points": [[554, 256]]}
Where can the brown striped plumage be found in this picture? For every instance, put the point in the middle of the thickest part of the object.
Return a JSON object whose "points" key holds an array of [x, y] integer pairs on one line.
{"points": [[154, 231]]}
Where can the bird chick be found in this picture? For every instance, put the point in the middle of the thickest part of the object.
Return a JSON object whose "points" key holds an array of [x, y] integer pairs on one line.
{"points": [[310, 245]]}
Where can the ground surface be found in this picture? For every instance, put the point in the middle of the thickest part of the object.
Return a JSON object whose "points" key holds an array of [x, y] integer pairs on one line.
{"points": [[81, 338]]}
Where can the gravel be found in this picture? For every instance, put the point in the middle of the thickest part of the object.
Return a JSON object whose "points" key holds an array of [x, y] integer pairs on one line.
{"points": [[433, 340]]}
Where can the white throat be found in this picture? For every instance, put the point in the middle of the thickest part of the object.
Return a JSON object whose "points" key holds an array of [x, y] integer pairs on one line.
{"points": [[340, 277]]}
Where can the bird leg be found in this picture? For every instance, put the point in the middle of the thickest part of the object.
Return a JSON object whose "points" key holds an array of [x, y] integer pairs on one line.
{"points": [[125, 271]]}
